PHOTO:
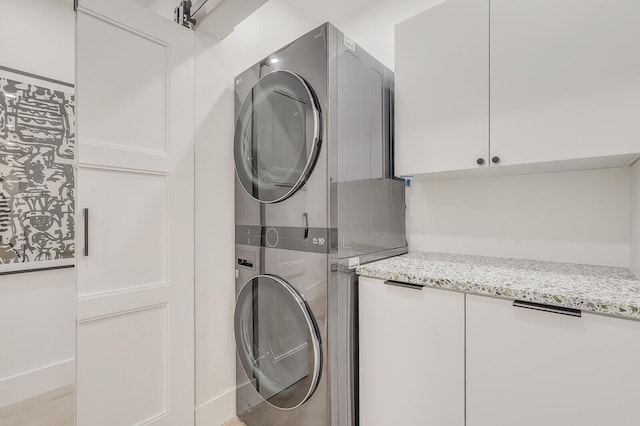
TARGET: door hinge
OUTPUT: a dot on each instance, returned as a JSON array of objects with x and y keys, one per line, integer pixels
[{"x": 182, "y": 14}]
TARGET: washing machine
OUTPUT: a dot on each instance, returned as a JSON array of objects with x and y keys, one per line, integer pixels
[{"x": 315, "y": 196}]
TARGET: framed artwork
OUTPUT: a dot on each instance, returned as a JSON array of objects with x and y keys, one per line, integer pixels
[{"x": 37, "y": 183}]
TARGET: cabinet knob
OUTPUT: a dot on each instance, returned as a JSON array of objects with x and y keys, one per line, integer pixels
[
  {"x": 495, "y": 160},
  {"x": 480, "y": 161}
]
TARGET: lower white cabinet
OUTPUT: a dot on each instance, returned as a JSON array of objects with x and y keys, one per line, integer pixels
[
  {"x": 411, "y": 355},
  {"x": 521, "y": 366},
  {"x": 532, "y": 368}
]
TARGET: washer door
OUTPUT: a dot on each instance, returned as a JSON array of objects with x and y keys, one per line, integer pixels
[
  {"x": 277, "y": 341},
  {"x": 277, "y": 137}
]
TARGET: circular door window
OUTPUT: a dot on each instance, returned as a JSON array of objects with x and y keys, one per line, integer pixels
[
  {"x": 277, "y": 341},
  {"x": 277, "y": 137}
]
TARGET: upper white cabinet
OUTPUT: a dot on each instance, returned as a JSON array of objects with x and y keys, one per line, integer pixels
[
  {"x": 565, "y": 79},
  {"x": 442, "y": 88},
  {"x": 411, "y": 355},
  {"x": 532, "y": 368},
  {"x": 518, "y": 82}
]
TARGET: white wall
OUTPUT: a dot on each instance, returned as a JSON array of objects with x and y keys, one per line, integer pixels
[
  {"x": 370, "y": 23},
  {"x": 214, "y": 280},
  {"x": 37, "y": 309},
  {"x": 635, "y": 218},
  {"x": 577, "y": 217},
  {"x": 37, "y": 331},
  {"x": 373, "y": 27},
  {"x": 38, "y": 36}
]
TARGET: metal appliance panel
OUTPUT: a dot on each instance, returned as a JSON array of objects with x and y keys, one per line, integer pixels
[
  {"x": 277, "y": 137},
  {"x": 307, "y": 58},
  {"x": 277, "y": 341},
  {"x": 307, "y": 272},
  {"x": 370, "y": 201},
  {"x": 351, "y": 199}
]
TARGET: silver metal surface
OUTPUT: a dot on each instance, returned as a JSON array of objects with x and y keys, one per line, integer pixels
[
  {"x": 315, "y": 143},
  {"x": 316, "y": 361},
  {"x": 307, "y": 58},
  {"x": 306, "y": 273},
  {"x": 316, "y": 240},
  {"x": 343, "y": 344},
  {"x": 371, "y": 257},
  {"x": 351, "y": 194},
  {"x": 182, "y": 14}
]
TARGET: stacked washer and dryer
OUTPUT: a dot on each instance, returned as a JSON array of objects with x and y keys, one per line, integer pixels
[{"x": 315, "y": 196}]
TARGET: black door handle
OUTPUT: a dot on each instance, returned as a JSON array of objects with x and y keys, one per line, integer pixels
[
  {"x": 403, "y": 284},
  {"x": 85, "y": 213},
  {"x": 547, "y": 308},
  {"x": 305, "y": 216}
]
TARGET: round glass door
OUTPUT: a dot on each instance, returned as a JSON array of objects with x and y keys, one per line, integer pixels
[
  {"x": 277, "y": 341},
  {"x": 277, "y": 137}
]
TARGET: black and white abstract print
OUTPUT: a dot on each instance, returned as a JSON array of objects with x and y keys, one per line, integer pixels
[{"x": 37, "y": 148}]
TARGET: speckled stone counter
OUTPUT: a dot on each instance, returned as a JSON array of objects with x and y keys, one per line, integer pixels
[{"x": 600, "y": 289}]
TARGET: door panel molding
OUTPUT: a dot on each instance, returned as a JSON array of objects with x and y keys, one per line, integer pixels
[
  {"x": 101, "y": 305},
  {"x": 135, "y": 306},
  {"x": 123, "y": 157}
]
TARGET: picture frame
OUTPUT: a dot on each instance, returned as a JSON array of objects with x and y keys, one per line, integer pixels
[{"x": 37, "y": 173}]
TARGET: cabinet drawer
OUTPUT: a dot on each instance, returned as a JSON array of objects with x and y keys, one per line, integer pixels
[
  {"x": 530, "y": 367},
  {"x": 411, "y": 355}
]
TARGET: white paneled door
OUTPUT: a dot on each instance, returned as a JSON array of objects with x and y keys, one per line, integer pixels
[{"x": 135, "y": 176}]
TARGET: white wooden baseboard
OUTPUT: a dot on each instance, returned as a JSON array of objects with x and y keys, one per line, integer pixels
[
  {"x": 217, "y": 410},
  {"x": 34, "y": 382}
]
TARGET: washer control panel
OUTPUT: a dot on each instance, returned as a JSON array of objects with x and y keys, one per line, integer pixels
[{"x": 283, "y": 237}]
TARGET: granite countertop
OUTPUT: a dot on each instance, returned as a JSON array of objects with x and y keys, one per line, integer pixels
[{"x": 600, "y": 289}]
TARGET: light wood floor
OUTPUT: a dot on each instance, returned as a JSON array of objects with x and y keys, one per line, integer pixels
[
  {"x": 235, "y": 422},
  {"x": 54, "y": 408}
]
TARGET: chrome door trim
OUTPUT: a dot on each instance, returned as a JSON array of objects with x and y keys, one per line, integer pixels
[
  {"x": 317, "y": 139},
  {"x": 313, "y": 332}
]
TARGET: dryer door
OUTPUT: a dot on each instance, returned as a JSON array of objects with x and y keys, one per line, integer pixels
[
  {"x": 277, "y": 136},
  {"x": 277, "y": 341}
]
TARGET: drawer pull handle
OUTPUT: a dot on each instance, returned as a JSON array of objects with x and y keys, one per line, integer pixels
[
  {"x": 547, "y": 308},
  {"x": 403, "y": 284}
]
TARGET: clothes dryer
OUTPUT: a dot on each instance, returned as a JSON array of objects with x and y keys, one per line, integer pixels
[{"x": 315, "y": 196}]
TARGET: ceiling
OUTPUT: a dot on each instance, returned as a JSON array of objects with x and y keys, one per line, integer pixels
[
  {"x": 333, "y": 10},
  {"x": 161, "y": 7}
]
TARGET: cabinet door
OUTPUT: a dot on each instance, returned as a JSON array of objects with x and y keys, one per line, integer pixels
[
  {"x": 532, "y": 368},
  {"x": 565, "y": 79},
  {"x": 442, "y": 88},
  {"x": 411, "y": 356}
]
